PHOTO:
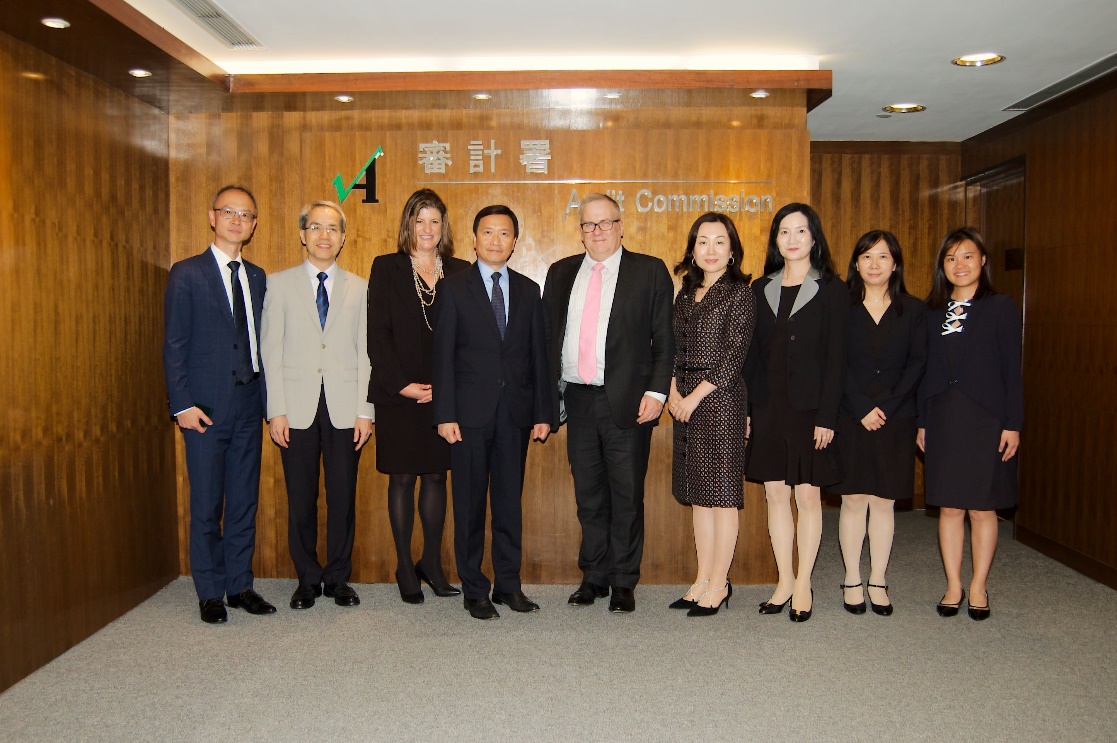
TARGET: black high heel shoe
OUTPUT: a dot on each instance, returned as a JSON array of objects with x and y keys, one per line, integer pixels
[
  {"x": 852, "y": 608},
  {"x": 884, "y": 610},
  {"x": 409, "y": 598},
  {"x": 441, "y": 591},
  {"x": 978, "y": 613},
  {"x": 950, "y": 610},
  {"x": 709, "y": 611},
  {"x": 684, "y": 602},
  {"x": 801, "y": 616},
  {"x": 767, "y": 607}
]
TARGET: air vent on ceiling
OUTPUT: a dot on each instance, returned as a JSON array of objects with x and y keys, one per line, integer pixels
[
  {"x": 218, "y": 23},
  {"x": 1077, "y": 80}
]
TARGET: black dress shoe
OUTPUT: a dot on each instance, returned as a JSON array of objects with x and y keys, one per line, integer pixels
[
  {"x": 949, "y": 610},
  {"x": 481, "y": 609},
  {"x": 709, "y": 611},
  {"x": 767, "y": 607},
  {"x": 442, "y": 590},
  {"x": 304, "y": 595},
  {"x": 978, "y": 613},
  {"x": 516, "y": 601},
  {"x": 410, "y": 597},
  {"x": 251, "y": 602},
  {"x": 342, "y": 593},
  {"x": 213, "y": 611},
  {"x": 623, "y": 601},
  {"x": 801, "y": 616},
  {"x": 852, "y": 608},
  {"x": 587, "y": 593},
  {"x": 884, "y": 610}
]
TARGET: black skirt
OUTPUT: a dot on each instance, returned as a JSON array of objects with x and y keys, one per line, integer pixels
[
  {"x": 407, "y": 442},
  {"x": 880, "y": 463}
]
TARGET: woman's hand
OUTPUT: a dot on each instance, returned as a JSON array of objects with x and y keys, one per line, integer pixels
[
  {"x": 822, "y": 437},
  {"x": 874, "y": 420},
  {"x": 684, "y": 408},
  {"x": 1010, "y": 442},
  {"x": 416, "y": 391},
  {"x": 921, "y": 439}
]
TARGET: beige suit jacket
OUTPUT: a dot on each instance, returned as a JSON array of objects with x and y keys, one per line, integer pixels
[{"x": 300, "y": 356}]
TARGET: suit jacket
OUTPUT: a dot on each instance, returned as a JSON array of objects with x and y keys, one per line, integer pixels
[
  {"x": 199, "y": 339},
  {"x": 472, "y": 365},
  {"x": 399, "y": 343},
  {"x": 896, "y": 371},
  {"x": 988, "y": 369},
  {"x": 816, "y": 344},
  {"x": 639, "y": 343},
  {"x": 301, "y": 357}
]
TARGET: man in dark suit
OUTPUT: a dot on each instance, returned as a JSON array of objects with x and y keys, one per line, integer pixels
[
  {"x": 611, "y": 354},
  {"x": 211, "y": 319},
  {"x": 490, "y": 387},
  {"x": 315, "y": 350}
]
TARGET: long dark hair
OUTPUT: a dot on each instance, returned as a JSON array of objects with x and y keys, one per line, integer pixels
[
  {"x": 424, "y": 198},
  {"x": 691, "y": 273},
  {"x": 821, "y": 259},
  {"x": 941, "y": 287},
  {"x": 896, "y": 286}
]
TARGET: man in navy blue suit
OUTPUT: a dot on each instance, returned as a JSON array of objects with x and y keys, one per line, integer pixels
[
  {"x": 211, "y": 321},
  {"x": 491, "y": 394}
]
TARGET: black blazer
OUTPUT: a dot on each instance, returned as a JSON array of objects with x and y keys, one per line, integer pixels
[
  {"x": 815, "y": 351},
  {"x": 399, "y": 343},
  {"x": 988, "y": 362},
  {"x": 639, "y": 345},
  {"x": 472, "y": 365},
  {"x": 898, "y": 369}
]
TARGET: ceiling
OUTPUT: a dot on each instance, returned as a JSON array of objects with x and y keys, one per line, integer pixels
[{"x": 880, "y": 51}]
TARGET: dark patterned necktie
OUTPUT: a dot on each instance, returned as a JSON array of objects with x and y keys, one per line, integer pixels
[
  {"x": 243, "y": 347},
  {"x": 498, "y": 305},
  {"x": 323, "y": 299}
]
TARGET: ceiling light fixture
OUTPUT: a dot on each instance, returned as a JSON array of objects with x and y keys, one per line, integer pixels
[
  {"x": 981, "y": 59},
  {"x": 904, "y": 108},
  {"x": 613, "y": 96},
  {"x": 759, "y": 93},
  {"x": 137, "y": 72},
  {"x": 343, "y": 98},
  {"x": 55, "y": 22},
  {"x": 482, "y": 97}
]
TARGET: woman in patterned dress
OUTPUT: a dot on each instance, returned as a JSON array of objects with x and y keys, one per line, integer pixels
[
  {"x": 971, "y": 410},
  {"x": 713, "y": 322}
]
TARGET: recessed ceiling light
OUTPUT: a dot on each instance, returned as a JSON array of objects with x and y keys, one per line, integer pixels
[
  {"x": 137, "y": 72},
  {"x": 759, "y": 94},
  {"x": 343, "y": 98},
  {"x": 55, "y": 23},
  {"x": 612, "y": 96},
  {"x": 482, "y": 97},
  {"x": 980, "y": 59},
  {"x": 904, "y": 108}
]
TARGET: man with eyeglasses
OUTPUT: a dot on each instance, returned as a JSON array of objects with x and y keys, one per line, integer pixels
[
  {"x": 611, "y": 352},
  {"x": 315, "y": 350},
  {"x": 215, "y": 391}
]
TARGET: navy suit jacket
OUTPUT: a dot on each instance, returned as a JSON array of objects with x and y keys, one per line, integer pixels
[
  {"x": 198, "y": 353},
  {"x": 472, "y": 365}
]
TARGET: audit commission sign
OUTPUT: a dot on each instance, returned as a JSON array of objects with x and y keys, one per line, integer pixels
[{"x": 677, "y": 200}]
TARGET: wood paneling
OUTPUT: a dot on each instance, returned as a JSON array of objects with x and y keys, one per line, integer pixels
[
  {"x": 87, "y": 513},
  {"x": 1067, "y": 468},
  {"x": 908, "y": 188}
]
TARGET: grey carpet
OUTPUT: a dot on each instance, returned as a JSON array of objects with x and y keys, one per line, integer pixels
[{"x": 1042, "y": 668}]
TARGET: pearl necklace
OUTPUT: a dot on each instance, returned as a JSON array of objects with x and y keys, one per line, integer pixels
[{"x": 426, "y": 296}]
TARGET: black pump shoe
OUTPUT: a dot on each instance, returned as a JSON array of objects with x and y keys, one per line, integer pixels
[
  {"x": 852, "y": 608},
  {"x": 950, "y": 610},
  {"x": 801, "y": 616},
  {"x": 709, "y": 611},
  {"x": 442, "y": 591},
  {"x": 884, "y": 610},
  {"x": 767, "y": 607}
]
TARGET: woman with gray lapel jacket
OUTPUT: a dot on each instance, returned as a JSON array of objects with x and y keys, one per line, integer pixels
[{"x": 794, "y": 375}]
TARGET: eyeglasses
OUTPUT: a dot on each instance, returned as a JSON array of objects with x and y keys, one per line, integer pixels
[
  {"x": 227, "y": 213},
  {"x": 605, "y": 225},
  {"x": 315, "y": 227}
]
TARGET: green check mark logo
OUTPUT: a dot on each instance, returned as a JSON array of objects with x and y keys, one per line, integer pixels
[{"x": 339, "y": 183}]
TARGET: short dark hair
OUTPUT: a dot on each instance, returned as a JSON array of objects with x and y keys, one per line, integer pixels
[
  {"x": 489, "y": 211},
  {"x": 233, "y": 187},
  {"x": 895, "y": 281},
  {"x": 424, "y": 198},
  {"x": 691, "y": 273},
  {"x": 821, "y": 259},
  {"x": 941, "y": 287}
]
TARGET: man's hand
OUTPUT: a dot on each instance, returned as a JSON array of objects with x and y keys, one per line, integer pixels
[
  {"x": 279, "y": 430},
  {"x": 362, "y": 430},
  {"x": 194, "y": 419},
  {"x": 540, "y": 431},
  {"x": 650, "y": 409},
  {"x": 450, "y": 432}
]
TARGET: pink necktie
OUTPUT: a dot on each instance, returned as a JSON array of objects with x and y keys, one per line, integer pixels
[{"x": 587, "y": 334}]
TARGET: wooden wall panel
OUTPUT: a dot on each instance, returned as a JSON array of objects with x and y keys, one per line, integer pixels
[
  {"x": 910, "y": 189},
  {"x": 289, "y": 158},
  {"x": 87, "y": 515},
  {"x": 1067, "y": 468}
]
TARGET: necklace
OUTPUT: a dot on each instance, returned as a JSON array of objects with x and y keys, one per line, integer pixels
[{"x": 426, "y": 295}]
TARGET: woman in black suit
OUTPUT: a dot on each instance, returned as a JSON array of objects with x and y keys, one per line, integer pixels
[
  {"x": 971, "y": 410},
  {"x": 886, "y": 353},
  {"x": 794, "y": 375},
  {"x": 401, "y": 289}
]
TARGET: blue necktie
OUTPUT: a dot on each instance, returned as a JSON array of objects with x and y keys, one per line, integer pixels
[
  {"x": 243, "y": 357},
  {"x": 323, "y": 299},
  {"x": 498, "y": 305}
]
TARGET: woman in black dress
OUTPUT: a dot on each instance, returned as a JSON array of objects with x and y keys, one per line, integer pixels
[
  {"x": 971, "y": 410},
  {"x": 713, "y": 320},
  {"x": 794, "y": 373},
  {"x": 401, "y": 290},
  {"x": 886, "y": 353}
]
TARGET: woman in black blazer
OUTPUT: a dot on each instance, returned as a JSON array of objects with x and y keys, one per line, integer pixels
[
  {"x": 794, "y": 374},
  {"x": 971, "y": 410},
  {"x": 886, "y": 353},
  {"x": 401, "y": 289}
]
